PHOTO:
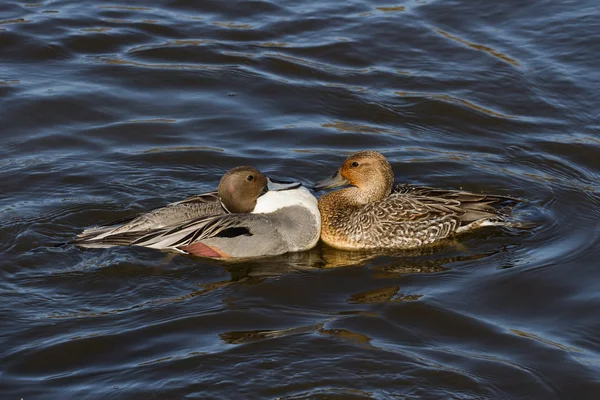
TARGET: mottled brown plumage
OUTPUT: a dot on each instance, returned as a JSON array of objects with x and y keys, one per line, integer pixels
[{"x": 373, "y": 214}]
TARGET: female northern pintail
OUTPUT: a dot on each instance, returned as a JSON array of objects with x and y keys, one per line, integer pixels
[
  {"x": 373, "y": 214},
  {"x": 249, "y": 215}
]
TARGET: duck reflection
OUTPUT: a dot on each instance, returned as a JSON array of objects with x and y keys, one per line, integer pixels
[
  {"x": 386, "y": 264},
  {"x": 241, "y": 337}
]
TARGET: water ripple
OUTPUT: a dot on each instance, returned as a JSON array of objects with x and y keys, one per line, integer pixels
[{"x": 112, "y": 109}]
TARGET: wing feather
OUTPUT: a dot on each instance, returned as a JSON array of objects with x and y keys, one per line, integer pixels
[
  {"x": 227, "y": 225},
  {"x": 147, "y": 223}
]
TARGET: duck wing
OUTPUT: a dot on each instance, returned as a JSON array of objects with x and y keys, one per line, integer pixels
[
  {"x": 422, "y": 216},
  {"x": 468, "y": 206},
  {"x": 460, "y": 195},
  {"x": 401, "y": 207},
  {"x": 184, "y": 210},
  {"x": 228, "y": 235},
  {"x": 401, "y": 221}
]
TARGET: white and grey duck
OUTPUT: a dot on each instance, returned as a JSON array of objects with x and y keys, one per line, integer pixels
[
  {"x": 374, "y": 214},
  {"x": 249, "y": 215}
]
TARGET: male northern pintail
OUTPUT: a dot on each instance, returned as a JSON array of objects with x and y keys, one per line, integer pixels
[
  {"x": 249, "y": 215},
  {"x": 373, "y": 214}
]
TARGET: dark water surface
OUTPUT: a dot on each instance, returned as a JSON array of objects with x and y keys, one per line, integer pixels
[{"x": 108, "y": 109}]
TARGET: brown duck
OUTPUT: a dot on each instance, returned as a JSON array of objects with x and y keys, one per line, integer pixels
[{"x": 373, "y": 214}]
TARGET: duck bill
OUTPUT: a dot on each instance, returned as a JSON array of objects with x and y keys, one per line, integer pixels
[
  {"x": 334, "y": 181},
  {"x": 277, "y": 186}
]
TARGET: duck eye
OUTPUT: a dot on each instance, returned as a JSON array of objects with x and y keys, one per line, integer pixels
[
  {"x": 250, "y": 178},
  {"x": 355, "y": 164}
]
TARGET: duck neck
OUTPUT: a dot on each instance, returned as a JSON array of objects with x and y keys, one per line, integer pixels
[
  {"x": 369, "y": 193},
  {"x": 355, "y": 197}
]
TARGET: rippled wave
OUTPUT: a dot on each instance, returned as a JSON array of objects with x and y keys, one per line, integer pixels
[{"x": 111, "y": 109}]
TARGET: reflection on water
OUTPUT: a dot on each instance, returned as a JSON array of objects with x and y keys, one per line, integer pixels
[
  {"x": 383, "y": 295},
  {"x": 480, "y": 47},
  {"x": 112, "y": 109},
  {"x": 251, "y": 336}
]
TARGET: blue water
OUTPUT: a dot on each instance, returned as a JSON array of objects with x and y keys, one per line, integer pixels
[{"x": 108, "y": 109}]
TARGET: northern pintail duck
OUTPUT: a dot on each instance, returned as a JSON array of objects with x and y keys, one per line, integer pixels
[
  {"x": 373, "y": 214},
  {"x": 249, "y": 215}
]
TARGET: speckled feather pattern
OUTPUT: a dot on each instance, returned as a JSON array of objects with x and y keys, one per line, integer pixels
[
  {"x": 399, "y": 221},
  {"x": 409, "y": 216}
]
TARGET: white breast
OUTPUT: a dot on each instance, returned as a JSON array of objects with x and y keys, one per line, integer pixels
[{"x": 275, "y": 200}]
